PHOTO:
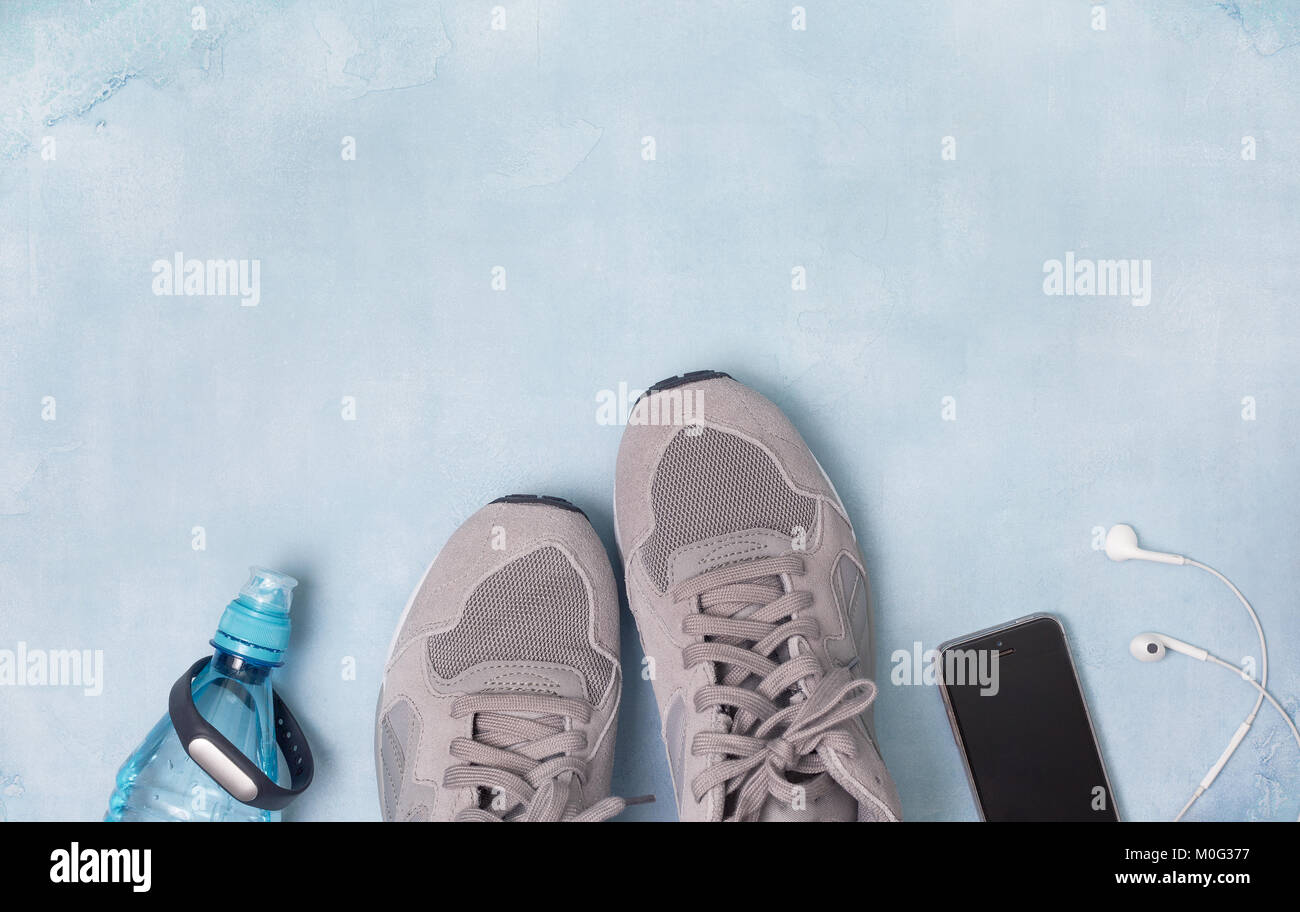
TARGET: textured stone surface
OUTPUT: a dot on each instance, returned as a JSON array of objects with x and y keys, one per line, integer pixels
[{"x": 523, "y": 148}]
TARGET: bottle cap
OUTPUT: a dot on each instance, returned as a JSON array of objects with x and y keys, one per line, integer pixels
[{"x": 255, "y": 625}]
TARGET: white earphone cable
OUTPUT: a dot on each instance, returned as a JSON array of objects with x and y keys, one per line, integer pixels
[
  {"x": 1263, "y": 694},
  {"x": 1261, "y": 684}
]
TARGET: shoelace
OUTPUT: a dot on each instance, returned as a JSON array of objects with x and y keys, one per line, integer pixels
[
  {"x": 528, "y": 762},
  {"x": 766, "y": 740}
]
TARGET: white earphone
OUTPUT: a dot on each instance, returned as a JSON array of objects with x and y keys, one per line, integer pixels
[
  {"x": 1150, "y": 647},
  {"x": 1122, "y": 545}
]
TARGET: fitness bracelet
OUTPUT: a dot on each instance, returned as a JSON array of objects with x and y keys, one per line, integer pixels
[{"x": 225, "y": 763}]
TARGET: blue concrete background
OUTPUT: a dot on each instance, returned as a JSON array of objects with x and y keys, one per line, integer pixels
[{"x": 774, "y": 148}]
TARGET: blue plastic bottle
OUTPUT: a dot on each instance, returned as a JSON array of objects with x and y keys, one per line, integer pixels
[{"x": 159, "y": 781}]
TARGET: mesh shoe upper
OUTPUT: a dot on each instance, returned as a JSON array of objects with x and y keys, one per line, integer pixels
[
  {"x": 709, "y": 483},
  {"x": 535, "y": 608}
]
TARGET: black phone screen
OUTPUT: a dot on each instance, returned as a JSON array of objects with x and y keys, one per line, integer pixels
[{"x": 1021, "y": 718}]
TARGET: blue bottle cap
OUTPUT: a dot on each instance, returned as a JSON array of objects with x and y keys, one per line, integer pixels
[{"x": 255, "y": 625}]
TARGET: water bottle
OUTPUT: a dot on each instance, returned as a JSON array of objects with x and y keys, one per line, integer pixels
[{"x": 160, "y": 780}]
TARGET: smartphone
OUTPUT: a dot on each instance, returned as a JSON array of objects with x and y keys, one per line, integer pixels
[{"x": 1022, "y": 726}]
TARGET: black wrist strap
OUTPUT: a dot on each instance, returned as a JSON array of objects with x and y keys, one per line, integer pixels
[{"x": 225, "y": 763}]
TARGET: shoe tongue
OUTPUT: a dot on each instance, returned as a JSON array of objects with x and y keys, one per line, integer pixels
[
  {"x": 836, "y": 805},
  {"x": 725, "y": 550}
]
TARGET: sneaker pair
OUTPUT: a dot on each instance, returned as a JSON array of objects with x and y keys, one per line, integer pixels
[{"x": 501, "y": 690}]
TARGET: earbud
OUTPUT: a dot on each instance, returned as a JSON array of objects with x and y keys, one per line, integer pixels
[
  {"x": 1122, "y": 545},
  {"x": 1150, "y": 647},
  {"x": 1146, "y": 647}
]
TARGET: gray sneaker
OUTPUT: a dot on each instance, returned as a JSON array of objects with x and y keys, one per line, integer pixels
[
  {"x": 751, "y": 598},
  {"x": 501, "y": 689}
]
